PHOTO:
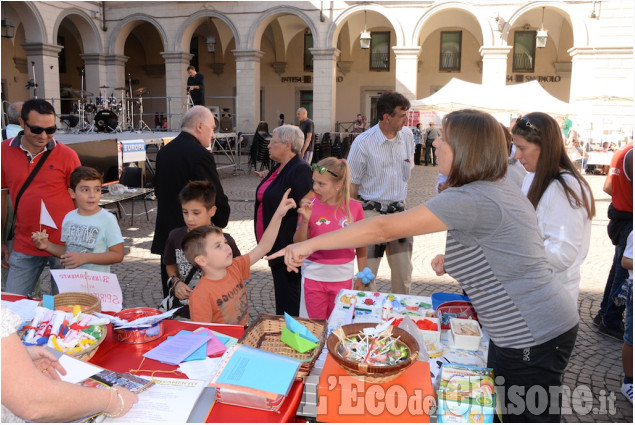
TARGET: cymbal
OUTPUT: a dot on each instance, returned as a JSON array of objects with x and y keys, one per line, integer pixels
[
  {"x": 120, "y": 88},
  {"x": 104, "y": 87},
  {"x": 89, "y": 93},
  {"x": 141, "y": 91}
]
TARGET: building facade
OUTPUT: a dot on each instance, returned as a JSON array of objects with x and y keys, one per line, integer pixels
[{"x": 263, "y": 59}]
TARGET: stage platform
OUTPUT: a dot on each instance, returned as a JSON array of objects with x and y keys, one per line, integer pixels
[{"x": 102, "y": 150}]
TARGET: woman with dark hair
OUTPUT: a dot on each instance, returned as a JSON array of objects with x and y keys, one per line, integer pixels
[
  {"x": 561, "y": 196},
  {"x": 495, "y": 251}
]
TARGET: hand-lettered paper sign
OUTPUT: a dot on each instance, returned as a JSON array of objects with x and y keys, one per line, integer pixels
[{"x": 104, "y": 286}]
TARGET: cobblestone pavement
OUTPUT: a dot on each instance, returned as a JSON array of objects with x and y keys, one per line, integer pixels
[{"x": 595, "y": 367}]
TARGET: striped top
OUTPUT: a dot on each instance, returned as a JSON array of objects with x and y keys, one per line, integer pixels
[
  {"x": 495, "y": 251},
  {"x": 382, "y": 167}
]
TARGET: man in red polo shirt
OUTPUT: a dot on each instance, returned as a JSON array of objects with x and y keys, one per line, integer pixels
[
  {"x": 618, "y": 184},
  {"x": 20, "y": 155}
]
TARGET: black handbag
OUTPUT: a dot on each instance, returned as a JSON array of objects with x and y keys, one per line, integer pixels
[{"x": 171, "y": 301}]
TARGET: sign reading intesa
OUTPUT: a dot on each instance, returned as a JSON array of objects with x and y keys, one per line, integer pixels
[{"x": 103, "y": 285}]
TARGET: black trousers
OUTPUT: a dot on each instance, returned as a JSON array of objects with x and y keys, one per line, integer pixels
[
  {"x": 287, "y": 290},
  {"x": 532, "y": 378},
  {"x": 418, "y": 153},
  {"x": 430, "y": 150}
]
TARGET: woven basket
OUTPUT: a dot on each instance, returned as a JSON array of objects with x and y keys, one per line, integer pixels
[
  {"x": 78, "y": 298},
  {"x": 264, "y": 333},
  {"x": 88, "y": 353},
  {"x": 373, "y": 373}
]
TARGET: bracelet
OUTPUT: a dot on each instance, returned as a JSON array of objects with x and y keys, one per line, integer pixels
[{"x": 123, "y": 406}]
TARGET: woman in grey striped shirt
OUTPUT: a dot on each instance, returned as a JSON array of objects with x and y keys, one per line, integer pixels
[{"x": 495, "y": 251}]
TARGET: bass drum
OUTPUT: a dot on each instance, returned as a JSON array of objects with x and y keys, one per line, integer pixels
[{"x": 106, "y": 121}]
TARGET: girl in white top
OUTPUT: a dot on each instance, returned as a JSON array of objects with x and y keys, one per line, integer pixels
[{"x": 562, "y": 197}]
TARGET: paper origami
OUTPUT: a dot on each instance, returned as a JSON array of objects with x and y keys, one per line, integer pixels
[{"x": 297, "y": 336}]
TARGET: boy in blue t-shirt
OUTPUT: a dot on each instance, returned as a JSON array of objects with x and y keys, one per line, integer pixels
[{"x": 91, "y": 235}]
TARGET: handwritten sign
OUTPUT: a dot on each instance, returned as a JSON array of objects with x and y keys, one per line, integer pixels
[{"x": 104, "y": 286}]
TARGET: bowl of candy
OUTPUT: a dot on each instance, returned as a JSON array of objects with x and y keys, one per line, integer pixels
[{"x": 379, "y": 353}]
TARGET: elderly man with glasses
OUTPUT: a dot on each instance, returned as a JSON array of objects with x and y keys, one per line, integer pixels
[{"x": 35, "y": 173}]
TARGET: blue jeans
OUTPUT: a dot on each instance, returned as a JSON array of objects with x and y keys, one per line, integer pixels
[
  {"x": 24, "y": 271},
  {"x": 612, "y": 314}
]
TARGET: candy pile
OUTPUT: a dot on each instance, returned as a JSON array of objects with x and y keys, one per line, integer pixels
[
  {"x": 63, "y": 331},
  {"x": 379, "y": 350}
]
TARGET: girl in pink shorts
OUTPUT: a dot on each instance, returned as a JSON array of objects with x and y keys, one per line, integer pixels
[{"x": 324, "y": 273}]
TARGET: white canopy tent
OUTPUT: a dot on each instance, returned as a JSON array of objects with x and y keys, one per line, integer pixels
[{"x": 512, "y": 99}]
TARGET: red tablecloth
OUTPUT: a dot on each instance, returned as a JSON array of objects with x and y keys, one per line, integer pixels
[{"x": 121, "y": 357}]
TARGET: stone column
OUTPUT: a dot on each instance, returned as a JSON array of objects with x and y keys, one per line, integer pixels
[
  {"x": 116, "y": 72},
  {"x": 247, "y": 89},
  {"x": 406, "y": 66},
  {"x": 324, "y": 73},
  {"x": 176, "y": 64},
  {"x": 95, "y": 74},
  {"x": 44, "y": 59},
  {"x": 494, "y": 65}
]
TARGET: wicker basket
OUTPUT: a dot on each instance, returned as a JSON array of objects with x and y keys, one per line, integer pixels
[
  {"x": 88, "y": 353},
  {"x": 265, "y": 332},
  {"x": 372, "y": 373},
  {"x": 78, "y": 298}
]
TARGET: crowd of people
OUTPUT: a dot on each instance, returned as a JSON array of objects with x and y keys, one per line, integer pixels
[{"x": 316, "y": 222}]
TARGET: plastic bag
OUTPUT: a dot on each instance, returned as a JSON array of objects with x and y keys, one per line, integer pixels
[{"x": 408, "y": 325}]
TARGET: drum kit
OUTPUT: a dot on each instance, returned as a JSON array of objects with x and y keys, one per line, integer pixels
[{"x": 108, "y": 114}]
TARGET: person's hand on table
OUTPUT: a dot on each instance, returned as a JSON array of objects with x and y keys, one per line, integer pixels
[
  {"x": 45, "y": 361},
  {"x": 293, "y": 254},
  {"x": 181, "y": 290},
  {"x": 115, "y": 407},
  {"x": 438, "y": 264},
  {"x": 72, "y": 260},
  {"x": 5, "y": 256}
]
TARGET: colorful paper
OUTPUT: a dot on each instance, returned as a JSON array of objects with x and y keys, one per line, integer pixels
[
  {"x": 175, "y": 350},
  {"x": 214, "y": 345},
  {"x": 297, "y": 342},
  {"x": 298, "y": 328}
]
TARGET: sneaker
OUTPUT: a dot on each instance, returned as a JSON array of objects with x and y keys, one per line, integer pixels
[
  {"x": 627, "y": 390},
  {"x": 597, "y": 320},
  {"x": 617, "y": 334}
]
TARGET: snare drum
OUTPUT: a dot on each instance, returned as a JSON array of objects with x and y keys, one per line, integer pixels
[{"x": 106, "y": 120}]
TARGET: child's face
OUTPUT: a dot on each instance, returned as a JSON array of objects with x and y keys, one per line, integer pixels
[
  {"x": 195, "y": 214},
  {"x": 87, "y": 194},
  {"x": 218, "y": 253},
  {"x": 325, "y": 188}
]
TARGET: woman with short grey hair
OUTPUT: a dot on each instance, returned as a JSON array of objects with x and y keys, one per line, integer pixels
[{"x": 290, "y": 172}]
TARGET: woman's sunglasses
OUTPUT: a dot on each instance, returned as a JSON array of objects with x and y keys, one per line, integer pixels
[
  {"x": 524, "y": 121},
  {"x": 39, "y": 130},
  {"x": 322, "y": 170}
]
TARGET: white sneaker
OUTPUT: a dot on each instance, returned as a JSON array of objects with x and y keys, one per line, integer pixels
[{"x": 627, "y": 390}]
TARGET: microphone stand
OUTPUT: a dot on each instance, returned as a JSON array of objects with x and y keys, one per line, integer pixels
[{"x": 34, "y": 80}]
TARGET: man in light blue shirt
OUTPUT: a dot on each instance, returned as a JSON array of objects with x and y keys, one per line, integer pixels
[{"x": 381, "y": 160}]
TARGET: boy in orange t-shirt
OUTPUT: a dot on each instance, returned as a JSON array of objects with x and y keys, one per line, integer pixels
[{"x": 220, "y": 296}]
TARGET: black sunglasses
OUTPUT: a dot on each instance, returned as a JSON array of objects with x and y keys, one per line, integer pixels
[
  {"x": 524, "y": 121},
  {"x": 322, "y": 170},
  {"x": 39, "y": 130}
]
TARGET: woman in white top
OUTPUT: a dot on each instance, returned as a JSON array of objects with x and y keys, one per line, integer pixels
[{"x": 562, "y": 197}]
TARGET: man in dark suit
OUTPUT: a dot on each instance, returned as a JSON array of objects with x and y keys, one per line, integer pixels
[
  {"x": 184, "y": 159},
  {"x": 195, "y": 86}
]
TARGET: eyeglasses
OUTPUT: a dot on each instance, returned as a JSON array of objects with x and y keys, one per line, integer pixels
[
  {"x": 38, "y": 130},
  {"x": 524, "y": 121},
  {"x": 322, "y": 170}
]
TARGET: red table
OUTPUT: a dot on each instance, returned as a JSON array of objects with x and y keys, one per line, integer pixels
[{"x": 121, "y": 357}]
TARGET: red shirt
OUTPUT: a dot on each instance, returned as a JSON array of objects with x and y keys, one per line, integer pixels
[
  {"x": 622, "y": 186},
  {"x": 49, "y": 185}
]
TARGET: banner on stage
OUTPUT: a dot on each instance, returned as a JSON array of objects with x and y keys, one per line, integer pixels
[{"x": 104, "y": 286}]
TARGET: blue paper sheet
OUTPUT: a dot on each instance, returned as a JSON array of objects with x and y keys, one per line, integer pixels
[
  {"x": 298, "y": 328},
  {"x": 175, "y": 350},
  {"x": 199, "y": 354}
]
